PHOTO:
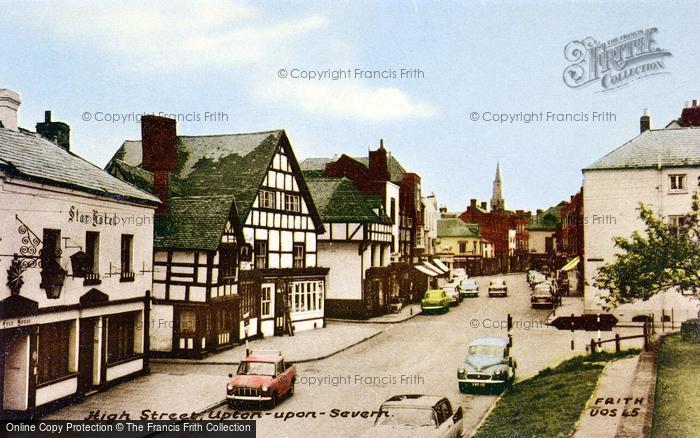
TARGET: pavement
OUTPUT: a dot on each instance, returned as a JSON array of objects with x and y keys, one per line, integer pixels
[
  {"x": 406, "y": 313},
  {"x": 623, "y": 402}
]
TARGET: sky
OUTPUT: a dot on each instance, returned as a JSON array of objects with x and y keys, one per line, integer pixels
[{"x": 234, "y": 66}]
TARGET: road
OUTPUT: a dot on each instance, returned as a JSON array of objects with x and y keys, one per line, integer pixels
[{"x": 418, "y": 356}]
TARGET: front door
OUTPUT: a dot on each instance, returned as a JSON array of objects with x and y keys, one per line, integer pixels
[
  {"x": 86, "y": 354},
  {"x": 280, "y": 314}
]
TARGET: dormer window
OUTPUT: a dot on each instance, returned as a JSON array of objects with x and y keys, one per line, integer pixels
[{"x": 677, "y": 183}]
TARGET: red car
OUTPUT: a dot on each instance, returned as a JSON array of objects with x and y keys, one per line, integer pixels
[{"x": 262, "y": 377}]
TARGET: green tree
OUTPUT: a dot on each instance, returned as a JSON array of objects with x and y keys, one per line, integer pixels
[{"x": 653, "y": 261}]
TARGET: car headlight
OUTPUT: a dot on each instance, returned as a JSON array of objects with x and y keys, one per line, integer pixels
[
  {"x": 264, "y": 389},
  {"x": 229, "y": 387},
  {"x": 461, "y": 372}
]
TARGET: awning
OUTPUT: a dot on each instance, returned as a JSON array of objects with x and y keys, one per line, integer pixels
[
  {"x": 430, "y": 266},
  {"x": 571, "y": 265},
  {"x": 425, "y": 270},
  {"x": 440, "y": 264}
]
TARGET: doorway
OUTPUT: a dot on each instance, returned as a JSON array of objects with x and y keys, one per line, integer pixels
[{"x": 86, "y": 355}]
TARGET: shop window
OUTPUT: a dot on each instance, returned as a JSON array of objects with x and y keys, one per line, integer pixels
[
  {"x": 120, "y": 337},
  {"x": 54, "y": 350}
]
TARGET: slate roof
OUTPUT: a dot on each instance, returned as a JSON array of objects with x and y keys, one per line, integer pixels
[
  {"x": 454, "y": 227},
  {"x": 195, "y": 222},
  {"x": 339, "y": 201},
  {"x": 29, "y": 156},
  {"x": 673, "y": 147},
  {"x": 396, "y": 170},
  {"x": 224, "y": 167}
]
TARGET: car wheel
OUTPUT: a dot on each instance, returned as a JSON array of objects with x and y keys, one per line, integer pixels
[
  {"x": 291, "y": 390},
  {"x": 273, "y": 401}
]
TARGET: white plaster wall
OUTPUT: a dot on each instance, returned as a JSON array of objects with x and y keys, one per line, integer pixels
[
  {"x": 58, "y": 390},
  {"x": 161, "y": 327},
  {"x": 611, "y": 200},
  {"x": 124, "y": 369},
  {"x": 345, "y": 275},
  {"x": 42, "y": 207}
]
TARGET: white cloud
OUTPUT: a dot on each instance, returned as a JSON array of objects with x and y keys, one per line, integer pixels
[
  {"x": 346, "y": 100},
  {"x": 173, "y": 35}
]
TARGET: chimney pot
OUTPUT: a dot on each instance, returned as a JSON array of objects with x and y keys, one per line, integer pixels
[
  {"x": 57, "y": 132},
  {"x": 9, "y": 106},
  {"x": 645, "y": 121}
]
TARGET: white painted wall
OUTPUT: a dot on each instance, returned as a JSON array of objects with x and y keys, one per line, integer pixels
[
  {"x": 161, "y": 327},
  {"x": 16, "y": 376},
  {"x": 537, "y": 241},
  {"x": 611, "y": 200},
  {"x": 42, "y": 207},
  {"x": 345, "y": 275}
]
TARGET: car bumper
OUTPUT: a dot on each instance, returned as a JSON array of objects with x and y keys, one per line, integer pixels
[
  {"x": 480, "y": 382},
  {"x": 470, "y": 293},
  {"x": 248, "y": 398},
  {"x": 494, "y": 293},
  {"x": 428, "y": 309}
]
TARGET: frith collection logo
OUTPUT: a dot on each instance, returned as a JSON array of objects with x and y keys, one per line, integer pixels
[{"x": 614, "y": 63}]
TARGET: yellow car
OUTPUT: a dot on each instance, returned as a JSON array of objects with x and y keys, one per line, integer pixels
[{"x": 435, "y": 301}]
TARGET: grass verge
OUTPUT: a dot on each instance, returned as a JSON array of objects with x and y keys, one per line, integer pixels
[
  {"x": 677, "y": 400},
  {"x": 550, "y": 403}
]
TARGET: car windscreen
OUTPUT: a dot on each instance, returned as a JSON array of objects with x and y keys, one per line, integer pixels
[
  {"x": 485, "y": 350},
  {"x": 434, "y": 294},
  {"x": 406, "y": 416},
  {"x": 257, "y": 368}
]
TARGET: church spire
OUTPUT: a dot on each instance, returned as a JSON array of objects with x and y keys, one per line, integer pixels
[{"x": 497, "y": 201}]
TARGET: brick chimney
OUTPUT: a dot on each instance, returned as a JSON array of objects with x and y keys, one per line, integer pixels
[
  {"x": 645, "y": 122},
  {"x": 379, "y": 163},
  {"x": 472, "y": 203},
  {"x": 57, "y": 132},
  {"x": 691, "y": 115},
  {"x": 484, "y": 205},
  {"x": 9, "y": 105},
  {"x": 159, "y": 148}
]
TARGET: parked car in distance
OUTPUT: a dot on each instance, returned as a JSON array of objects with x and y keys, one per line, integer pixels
[
  {"x": 415, "y": 415},
  {"x": 498, "y": 288},
  {"x": 487, "y": 364},
  {"x": 542, "y": 295},
  {"x": 459, "y": 273},
  {"x": 453, "y": 293},
  {"x": 263, "y": 377},
  {"x": 435, "y": 301},
  {"x": 468, "y": 288},
  {"x": 537, "y": 278}
]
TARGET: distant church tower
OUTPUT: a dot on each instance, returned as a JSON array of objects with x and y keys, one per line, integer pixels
[{"x": 497, "y": 201}]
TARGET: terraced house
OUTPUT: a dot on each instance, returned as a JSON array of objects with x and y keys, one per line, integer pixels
[
  {"x": 75, "y": 260},
  {"x": 235, "y": 238},
  {"x": 356, "y": 245}
]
